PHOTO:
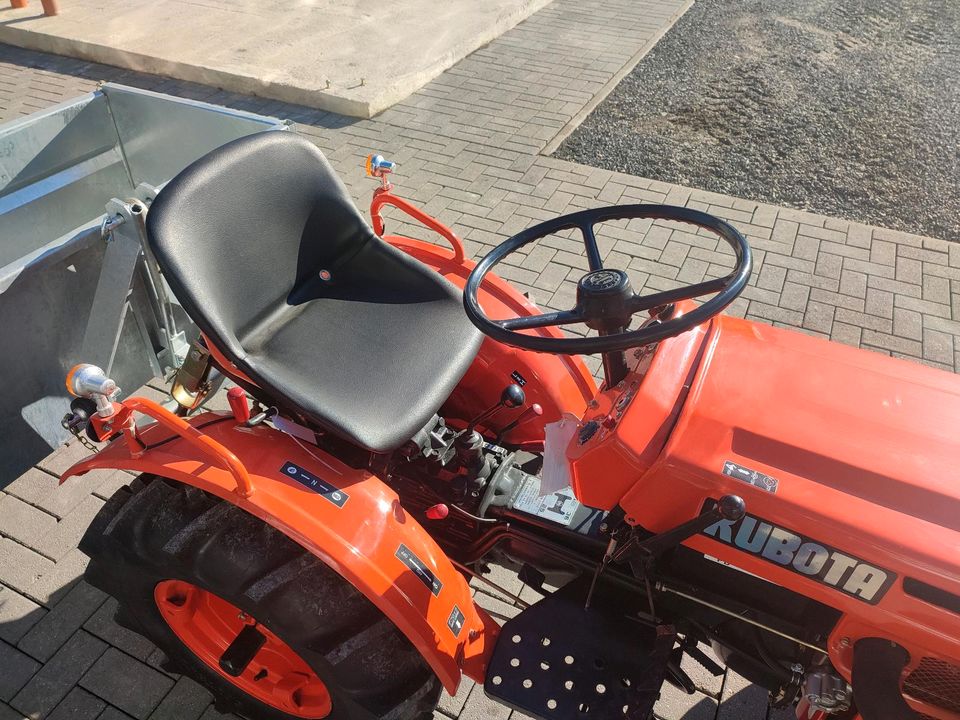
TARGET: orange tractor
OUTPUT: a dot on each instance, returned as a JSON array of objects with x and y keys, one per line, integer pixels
[{"x": 403, "y": 419}]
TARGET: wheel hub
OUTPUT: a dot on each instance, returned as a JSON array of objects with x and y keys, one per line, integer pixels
[{"x": 219, "y": 633}]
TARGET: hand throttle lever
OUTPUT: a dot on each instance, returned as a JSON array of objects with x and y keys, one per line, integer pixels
[
  {"x": 533, "y": 411},
  {"x": 511, "y": 397},
  {"x": 730, "y": 507}
]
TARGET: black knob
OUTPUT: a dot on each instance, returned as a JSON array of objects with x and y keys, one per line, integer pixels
[
  {"x": 512, "y": 396},
  {"x": 732, "y": 507}
]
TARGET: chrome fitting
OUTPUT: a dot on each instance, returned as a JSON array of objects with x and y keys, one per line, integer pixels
[{"x": 89, "y": 381}]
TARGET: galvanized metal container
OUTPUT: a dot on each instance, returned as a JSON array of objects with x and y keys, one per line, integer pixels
[{"x": 75, "y": 182}]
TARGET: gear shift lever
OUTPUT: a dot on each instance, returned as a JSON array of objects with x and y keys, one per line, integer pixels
[{"x": 511, "y": 397}]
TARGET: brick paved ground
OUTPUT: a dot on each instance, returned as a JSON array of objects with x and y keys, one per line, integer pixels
[{"x": 469, "y": 149}]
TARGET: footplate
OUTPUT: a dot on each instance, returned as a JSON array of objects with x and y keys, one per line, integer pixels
[{"x": 557, "y": 661}]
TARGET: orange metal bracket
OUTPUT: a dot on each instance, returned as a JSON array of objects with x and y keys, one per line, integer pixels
[
  {"x": 123, "y": 418},
  {"x": 382, "y": 196}
]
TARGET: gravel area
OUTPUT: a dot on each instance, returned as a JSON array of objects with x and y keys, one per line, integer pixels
[{"x": 849, "y": 108}]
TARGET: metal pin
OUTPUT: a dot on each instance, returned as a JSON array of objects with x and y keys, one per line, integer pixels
[{"x": 611, "y": 547}]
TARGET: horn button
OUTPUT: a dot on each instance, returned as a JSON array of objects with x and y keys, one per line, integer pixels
[{"x": 604, "y": 297}]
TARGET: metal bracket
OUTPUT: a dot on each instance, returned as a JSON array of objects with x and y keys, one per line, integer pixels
[
  {"x": 124, "y": 231},
  {"x": 110, "y": 301}
]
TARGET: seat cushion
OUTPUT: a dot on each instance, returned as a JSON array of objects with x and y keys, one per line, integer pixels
[{"x": 262, "y": 245}]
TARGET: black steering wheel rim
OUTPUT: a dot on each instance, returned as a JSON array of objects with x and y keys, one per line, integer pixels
[{"x": 726, "y": 288}]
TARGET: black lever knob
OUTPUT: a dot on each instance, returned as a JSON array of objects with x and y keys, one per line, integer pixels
[
  {"x": 511, "y": 397},
  {"x": 730, "y": 507}
]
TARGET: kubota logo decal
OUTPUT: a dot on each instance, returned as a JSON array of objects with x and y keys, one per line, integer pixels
[{"x": 804, "y": 556}]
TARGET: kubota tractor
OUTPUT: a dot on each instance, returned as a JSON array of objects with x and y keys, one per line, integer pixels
[{"x": 403, "y": 419}]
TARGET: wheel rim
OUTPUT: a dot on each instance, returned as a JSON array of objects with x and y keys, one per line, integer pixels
[{"x": 207, "y": 624}]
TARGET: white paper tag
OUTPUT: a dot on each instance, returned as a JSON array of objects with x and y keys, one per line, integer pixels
[
  {"x": 558, "y": 507},
  {"x": 556, "y": 469}
]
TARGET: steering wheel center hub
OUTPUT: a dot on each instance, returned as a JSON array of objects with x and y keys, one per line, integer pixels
[
  {"x": 607, "y": 283},
  {"x": 604, "y": 298}
]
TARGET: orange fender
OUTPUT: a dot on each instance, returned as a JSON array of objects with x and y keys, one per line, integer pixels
[{"x": 348, "y": 518}]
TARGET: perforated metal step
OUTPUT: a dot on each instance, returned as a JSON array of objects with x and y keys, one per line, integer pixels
[{"x": 557, "y": 661}]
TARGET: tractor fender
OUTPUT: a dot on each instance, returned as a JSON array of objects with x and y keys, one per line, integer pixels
[{"x": 348, "y": 518}]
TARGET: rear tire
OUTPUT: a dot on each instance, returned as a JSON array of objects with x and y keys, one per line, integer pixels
[{"x": 158, "y": 530}]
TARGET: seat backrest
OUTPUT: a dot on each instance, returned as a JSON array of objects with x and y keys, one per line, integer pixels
[{"x": 238, "y": 230}]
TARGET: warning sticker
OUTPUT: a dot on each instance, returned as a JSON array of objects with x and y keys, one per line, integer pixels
[
  {"x": 753, "y": 477},
  {"x": 420, "y": 569},
  {"x": 455, "y": 621},
  {"x": 335, "y": 495},
  {"x": 558, "y": 506}
]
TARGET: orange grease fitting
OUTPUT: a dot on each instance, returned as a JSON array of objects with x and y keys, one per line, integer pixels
[{"x": 207, "y": 624}]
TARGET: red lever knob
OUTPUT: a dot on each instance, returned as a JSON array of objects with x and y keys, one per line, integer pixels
[
  {"x": 437, "y": 512},
  {"x": 238, "y": 404}
]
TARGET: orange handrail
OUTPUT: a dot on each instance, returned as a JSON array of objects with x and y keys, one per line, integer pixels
[
  {"x": 190, "y": 434},
  {"x": 382, "y": 196}
]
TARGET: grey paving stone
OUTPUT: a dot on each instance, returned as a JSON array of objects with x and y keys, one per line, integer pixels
[
  {"x": 78, "y": 705},
  {"x": 17, "y": 615},
  {"x": 56, "y": 581},
  {"x": 675, "y": 704},
  {"x": 127, "y": 683},
  {"x": 741, "y": 699},
  {"x": 211, "y": 713},
  {"x": 102, "y": 624},
  {"x": 8, "y": 713},
  {"x": 57, "y": 677},
  {"x": 42, "y": 490},
  {"x": 498, "y": 609},
  {"x": 452, "y": 705},
  {"x": 480, "y": 707},
  {"x": 25, "y": 523},
  {"x": 20, "y": 567},
  {"x": 186, "y": 701},
  {"x": 48, "y": 635},
  {"x": 17, "y": 670},
  {"x": 111, "y": 713}
]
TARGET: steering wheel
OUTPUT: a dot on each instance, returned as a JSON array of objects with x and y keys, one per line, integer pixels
[{"x": 605, "y": 300}]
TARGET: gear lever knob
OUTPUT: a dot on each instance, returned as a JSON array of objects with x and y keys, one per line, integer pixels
[{"x": 513, "y": 396}]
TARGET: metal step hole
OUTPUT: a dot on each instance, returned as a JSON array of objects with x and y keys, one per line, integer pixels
[
  {"x": 568, "y": 685},
  {"x": 601, "y": 688},
  {"x": 552, "y": 704},
  {"x": 528, "y": 683},
  {"x": 545, "y": 642},
  {"x": 497, "y": 680},
  {"x": 626, "y": 682},
  {"x": 516, "y": 639},
  {"x": 626, "y": 709},
  {"x": 544, "y": 665},
  {"x": 584, "y": 708},
  {"x": 568, "y": 659},
  {"x": 514, "y": 662}
]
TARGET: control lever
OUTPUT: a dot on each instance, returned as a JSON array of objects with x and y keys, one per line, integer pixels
[
  {"x": 511, "y": 397},
  {"x": 643, "y": 552},
  {"x": 730, "y": 507},
  {"x": 533, "y": 411}
]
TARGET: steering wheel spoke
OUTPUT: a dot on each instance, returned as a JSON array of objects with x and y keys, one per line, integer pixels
[
  {"x": 562, "y": 317},
  {"x": 639, "y": 303},
  {"x": 590, "y": 243}
]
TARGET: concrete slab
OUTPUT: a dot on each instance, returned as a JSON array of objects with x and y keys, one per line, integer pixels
[{"x": 348, "y": 56}]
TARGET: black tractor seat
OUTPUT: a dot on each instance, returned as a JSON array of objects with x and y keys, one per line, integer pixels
[{"x": 265, "y": 250}]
